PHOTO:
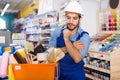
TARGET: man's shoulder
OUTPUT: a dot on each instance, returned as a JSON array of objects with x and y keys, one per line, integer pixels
[
  {"x": 84, "y": 32},
  {"x": 59, "y": 29},
  {"x": 81, "y": 31}
]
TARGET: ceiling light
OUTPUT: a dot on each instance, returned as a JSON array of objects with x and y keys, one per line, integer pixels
[{"x": 5, "y": 8}]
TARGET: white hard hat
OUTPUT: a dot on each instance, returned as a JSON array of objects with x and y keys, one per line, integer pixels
[{"x": 74, "y": 6}]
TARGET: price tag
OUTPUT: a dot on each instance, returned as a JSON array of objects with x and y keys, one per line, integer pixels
[{"x": 17, "y": 67}]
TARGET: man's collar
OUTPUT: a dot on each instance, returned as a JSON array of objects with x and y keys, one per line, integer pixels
[{"x": 79, "y": 30}]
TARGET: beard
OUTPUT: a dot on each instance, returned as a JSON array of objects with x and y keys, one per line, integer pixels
[{"x": 69, "y": 25}]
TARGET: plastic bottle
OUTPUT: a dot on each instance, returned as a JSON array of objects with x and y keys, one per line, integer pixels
[{"x": 4, "y": 64}]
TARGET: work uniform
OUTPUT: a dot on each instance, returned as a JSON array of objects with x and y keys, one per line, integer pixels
[{"x": 69, "y": 70}]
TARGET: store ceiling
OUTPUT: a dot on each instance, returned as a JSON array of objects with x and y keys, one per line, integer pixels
[{"x": 15, "y": 5}]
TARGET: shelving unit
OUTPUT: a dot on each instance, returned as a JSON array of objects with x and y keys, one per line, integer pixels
[
  {"x": 17, "y": 25},
  {"x": 113, "y": 57},
  {"x": 45, "y": 35},
  {"x": 108, "y": 20},
  {"x": 96, "y": 68},
  {"x": 38, "y": 28},
  {"x": 105, "y": 50},
  {"x": 18, "y": 39},
  {"x": 92, "y": 77}
]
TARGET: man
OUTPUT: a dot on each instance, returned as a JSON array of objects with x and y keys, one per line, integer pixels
[{"x": 74, "y": 42}]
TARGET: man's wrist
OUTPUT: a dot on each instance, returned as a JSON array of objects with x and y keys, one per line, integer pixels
[{"x": 66, "y": 39}]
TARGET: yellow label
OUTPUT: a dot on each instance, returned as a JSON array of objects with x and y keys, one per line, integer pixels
[{"x": 7, "y": 49}]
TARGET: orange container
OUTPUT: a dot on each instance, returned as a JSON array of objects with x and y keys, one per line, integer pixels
[{"x": 35, "y": 71}]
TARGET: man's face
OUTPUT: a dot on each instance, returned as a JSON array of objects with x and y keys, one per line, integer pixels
[{"x": 72, "y": 20}]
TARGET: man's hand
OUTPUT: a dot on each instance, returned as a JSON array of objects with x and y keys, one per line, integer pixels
[
  {"x": 79, "y": 45},
  {"x": 64, "y": 49},
  {"x": 66, "y": 34}
]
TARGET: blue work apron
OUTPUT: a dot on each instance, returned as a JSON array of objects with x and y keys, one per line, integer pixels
[{"x": 69, "y": 70}]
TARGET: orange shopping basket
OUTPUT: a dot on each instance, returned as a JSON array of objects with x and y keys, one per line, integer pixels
[{"x": 47, "y": 71}]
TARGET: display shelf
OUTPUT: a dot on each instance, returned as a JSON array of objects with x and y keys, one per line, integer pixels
[
  {"x": 104, "y": 55},
  {"x": 96, "y": 68},
  {"x": 113, "y": 57},
  {"x": 109, "y": 32},
  {"x": 17, "y": 25},
  {"x": 92, "y": 77},
  {"x": 106, "y": 49},
  {"x": 108, "y": 20},
  {"x": 38, "y": 28},
  {"x": 99, "y": 55},
  {"x": 18, "y": 38},
  {"x": 45, "y": 35}
]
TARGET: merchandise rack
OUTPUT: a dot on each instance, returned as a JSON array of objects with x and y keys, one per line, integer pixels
[
  {"x": 108, "y": 18},
  {"x": 113, "y": 57}
]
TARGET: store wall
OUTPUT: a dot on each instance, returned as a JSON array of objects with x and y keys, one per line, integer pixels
[
  {"x": 8, "y": 18},
  {"x": 89, "y": 21},
  {"x": 50, "y": 5},
  {"x": 104, "y": 4}
]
